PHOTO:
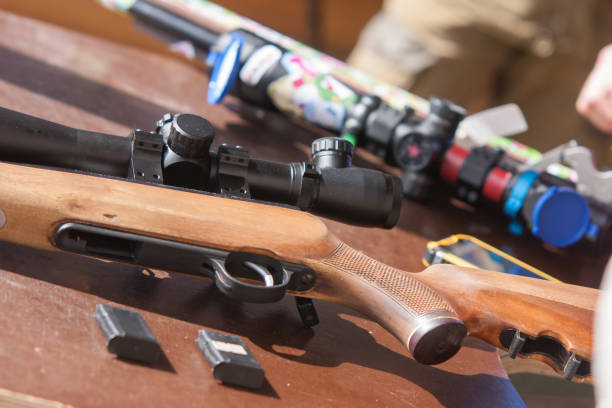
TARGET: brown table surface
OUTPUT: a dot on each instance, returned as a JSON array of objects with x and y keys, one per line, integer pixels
[{"x": 50, "y": 346}]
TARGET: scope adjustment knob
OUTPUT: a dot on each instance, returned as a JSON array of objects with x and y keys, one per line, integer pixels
[
  {"x": 445, "y": 109},
  {"x": 332, "y": 152},
  {"x": 190, "y": 136}
]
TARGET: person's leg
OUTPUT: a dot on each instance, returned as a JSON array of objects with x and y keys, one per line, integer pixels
[{"x": 431, "y": 49}]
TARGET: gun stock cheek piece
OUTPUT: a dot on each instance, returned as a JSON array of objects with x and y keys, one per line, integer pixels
[{"x": 437, "y": 338}]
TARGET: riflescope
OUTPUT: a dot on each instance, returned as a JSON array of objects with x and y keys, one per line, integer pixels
[{"x": 178, "y": 154}]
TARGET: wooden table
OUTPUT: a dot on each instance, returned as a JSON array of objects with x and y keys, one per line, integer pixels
[{"x": 50, "y": 346}]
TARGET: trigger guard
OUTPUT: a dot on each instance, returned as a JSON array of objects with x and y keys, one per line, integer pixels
[{"x": 246, "y": 292}]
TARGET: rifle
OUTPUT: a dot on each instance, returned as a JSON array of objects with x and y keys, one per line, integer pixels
[{"x": 258, "y": 251}]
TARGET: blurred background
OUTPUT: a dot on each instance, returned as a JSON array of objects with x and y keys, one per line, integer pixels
[{"x": 331, "y": 26}]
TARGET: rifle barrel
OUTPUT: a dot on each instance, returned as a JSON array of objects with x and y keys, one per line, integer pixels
[
  {"x": 28, "y": 139},
  {"x": 174, "y": 24}
]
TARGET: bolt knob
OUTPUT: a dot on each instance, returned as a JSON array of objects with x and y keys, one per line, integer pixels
[
  {"x": 190, "y": 136},
  {"x": 332, "y": 152}
]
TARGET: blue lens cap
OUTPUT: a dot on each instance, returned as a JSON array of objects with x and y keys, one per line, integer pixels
[
  {"x": 561, "y": 217},
  {"x": 224, "y": 71}
]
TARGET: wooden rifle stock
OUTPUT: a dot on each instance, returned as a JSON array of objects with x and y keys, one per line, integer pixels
[{"x": 426, "y": 311}]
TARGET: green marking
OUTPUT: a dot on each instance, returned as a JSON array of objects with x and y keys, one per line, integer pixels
[
  {"x": 534, "y": 155},
  {"x": 526, "y": 153},
  {"x": 350, "y": 137},
  {"x": 562, "y": 172},
  {"x": 501, "y": 142},
  {"x": 329, "y": 95}
]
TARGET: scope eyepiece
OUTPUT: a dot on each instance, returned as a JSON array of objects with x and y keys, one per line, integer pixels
[{"x": 359, "y": 196}]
